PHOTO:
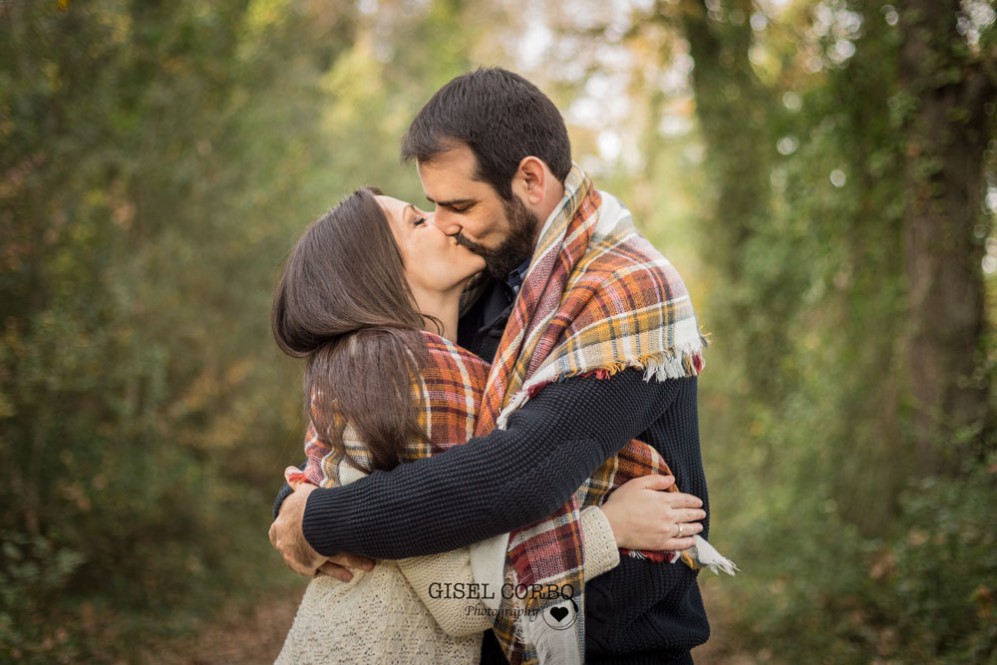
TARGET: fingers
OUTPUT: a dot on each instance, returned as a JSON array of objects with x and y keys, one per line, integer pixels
[
  {"x": 337, "y": 571},
  {"x": 679, "y": 544},
  {"x": 648, "y": 540},
  {"x": 660, "y": 482},
  {"x": 682, "y": 500},
  {"x": 683, "y": 515},
  {"x": 352, "y": 561},
  {"x": 299, "y": 568},
  {"x": 661, "y": 531},
  {"x": 688, "y": 529},
  {"x": 654, "y": 482},
  {"x": 681, "y": 535},
  {"x": 298, "y": 555},
  {"x": 338, "y": 566},
  {"x": 286, "y": 535},
  {"x": 651, "y": 519}
]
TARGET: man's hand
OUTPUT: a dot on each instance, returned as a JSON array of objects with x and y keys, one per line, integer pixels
[
  {"x": 338, "y": 566},
  {"x": 286, "y": 536}
]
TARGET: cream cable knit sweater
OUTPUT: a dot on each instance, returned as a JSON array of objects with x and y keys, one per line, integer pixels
[{"x": 390, "y": 615}]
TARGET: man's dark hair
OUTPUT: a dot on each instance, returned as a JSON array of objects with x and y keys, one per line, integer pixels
[{"x": 501, "y": 117}]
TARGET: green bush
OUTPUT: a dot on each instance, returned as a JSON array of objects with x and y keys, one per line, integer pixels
[
  {"x": 937, "y": 580},
  {"x": 924, "y": 592},
  {"x": 33, "y": 575}
]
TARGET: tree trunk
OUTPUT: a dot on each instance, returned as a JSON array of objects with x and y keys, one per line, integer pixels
[
  {"x": 726, "y": 88},
  {"x": 733, "y": 108},
  {"x": 946, "y": 132}
]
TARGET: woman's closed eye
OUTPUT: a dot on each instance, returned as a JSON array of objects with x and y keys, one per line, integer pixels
[{"x": 418, "y": 221}]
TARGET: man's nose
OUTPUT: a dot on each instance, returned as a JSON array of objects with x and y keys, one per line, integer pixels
[{"x": 445, "y": 223}]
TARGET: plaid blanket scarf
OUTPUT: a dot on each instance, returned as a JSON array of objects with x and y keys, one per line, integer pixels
[
  {"x": 448, "y": 393},
  {"x": 597, "y": 298}
]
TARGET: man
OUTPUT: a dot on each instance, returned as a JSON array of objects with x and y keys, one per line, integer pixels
[{"x": 494, "y": 158}]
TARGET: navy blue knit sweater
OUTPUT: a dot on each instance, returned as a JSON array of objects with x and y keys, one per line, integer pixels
[{"x": 640, "y": 612}]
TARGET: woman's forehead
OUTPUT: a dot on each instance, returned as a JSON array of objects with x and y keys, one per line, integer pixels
[{"x": 391, "y": 205}]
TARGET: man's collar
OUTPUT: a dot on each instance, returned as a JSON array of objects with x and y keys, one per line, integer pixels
[{"x": 515, "y": 278}]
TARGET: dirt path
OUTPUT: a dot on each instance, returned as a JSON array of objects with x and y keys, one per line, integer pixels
[{"x": 252, "y": 637}]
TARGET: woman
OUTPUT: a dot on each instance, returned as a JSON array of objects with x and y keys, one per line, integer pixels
[{"x": 370, "y": 296}]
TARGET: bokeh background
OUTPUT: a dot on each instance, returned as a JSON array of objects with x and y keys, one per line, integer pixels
[{"x": 821, "y": 172}]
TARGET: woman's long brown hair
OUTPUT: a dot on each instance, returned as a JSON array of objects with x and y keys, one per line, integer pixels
[{"x": 344, "y": 304}]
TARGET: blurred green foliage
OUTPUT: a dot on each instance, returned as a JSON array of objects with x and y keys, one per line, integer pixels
[
  {"x": 855, "y": 551},
  {"x": 920, "y": 592},
  {"x": 157, "y": 161}
]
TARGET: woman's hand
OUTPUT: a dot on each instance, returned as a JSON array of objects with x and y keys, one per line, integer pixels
[{"x": 644, "y": 517}]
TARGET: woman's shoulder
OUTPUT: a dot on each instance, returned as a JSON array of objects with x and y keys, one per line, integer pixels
[
  {"x": 446, "y": 356},
  {"x": 451, "y": 386}
]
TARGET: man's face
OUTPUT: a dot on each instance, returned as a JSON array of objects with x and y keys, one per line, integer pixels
[{"x": 502, "y": 232}]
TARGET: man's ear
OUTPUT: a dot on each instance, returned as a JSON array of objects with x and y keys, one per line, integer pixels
[{"x": 531, "y": 181}]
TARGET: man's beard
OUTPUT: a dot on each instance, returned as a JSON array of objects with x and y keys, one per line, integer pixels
[{"x": 516, "y": 249}]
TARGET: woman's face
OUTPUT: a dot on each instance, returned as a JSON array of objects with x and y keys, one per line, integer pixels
[{"x": 434, "y": 262}]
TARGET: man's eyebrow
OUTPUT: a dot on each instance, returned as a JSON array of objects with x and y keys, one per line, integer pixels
[{"x": 451, "y": 203}]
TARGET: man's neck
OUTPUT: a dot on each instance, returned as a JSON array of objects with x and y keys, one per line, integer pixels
[{"x": 551, "y": 201}]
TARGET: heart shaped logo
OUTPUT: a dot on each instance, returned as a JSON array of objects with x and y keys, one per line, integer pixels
[{"x": 559, "y": 613}]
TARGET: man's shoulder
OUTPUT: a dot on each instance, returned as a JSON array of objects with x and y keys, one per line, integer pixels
[
  {"x": 618, "y": 255},
  {"x": 634, "y": 271}
]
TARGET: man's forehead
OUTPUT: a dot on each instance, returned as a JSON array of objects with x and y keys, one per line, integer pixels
[
  {"x": 458, "y": 161},
  {"x": 448, "y": 184}
]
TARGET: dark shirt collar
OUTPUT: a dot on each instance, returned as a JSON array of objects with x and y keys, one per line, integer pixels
[
  {"x": 515, "y": 278},
  {"x": 481, "y": 324}
]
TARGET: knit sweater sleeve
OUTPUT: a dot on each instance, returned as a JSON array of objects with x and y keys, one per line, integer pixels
[
  {"x": 445, "y": 583},
  {"x": 492, "y": 484}
]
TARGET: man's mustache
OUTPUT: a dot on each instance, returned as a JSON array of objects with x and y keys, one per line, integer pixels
[{"x": 477, "y": 248}]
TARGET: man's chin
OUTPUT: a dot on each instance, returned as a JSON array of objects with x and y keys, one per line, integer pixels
[
  {"x": 502, "y": 267},
  {"x": 502, "y": 260},
  {"x": 496, "y": 272},
  {"x": 497, "y": 261}
]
